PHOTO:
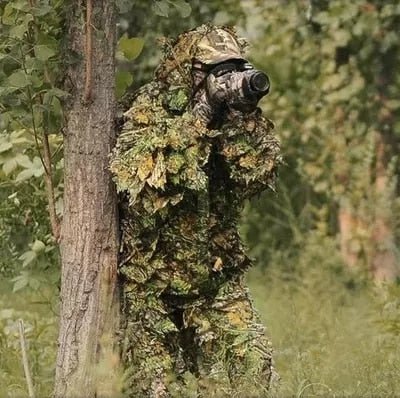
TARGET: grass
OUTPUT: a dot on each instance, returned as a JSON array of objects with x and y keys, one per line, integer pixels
[
  {"x": 333, "y": 342},
  {"x": 334, "y": 335},
  {"x": 37, "y": 310}
]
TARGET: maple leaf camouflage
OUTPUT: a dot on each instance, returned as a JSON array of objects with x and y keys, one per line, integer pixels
[{"x": 190, "y": 327}]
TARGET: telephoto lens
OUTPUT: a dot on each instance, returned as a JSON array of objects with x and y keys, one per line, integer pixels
[{"x": 259, "y": 82}]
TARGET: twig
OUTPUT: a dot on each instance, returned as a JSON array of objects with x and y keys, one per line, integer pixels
[
  {"x": 48, "y": 180},
  {"x": 30, "y": 97},
  {"x": 46, "y": 157},
  {"x": 28, "y": 376},
  {"x": 88, "y": 50}
]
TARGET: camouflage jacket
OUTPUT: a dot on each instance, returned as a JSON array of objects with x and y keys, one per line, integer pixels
[{"x": 184, "y": 187}]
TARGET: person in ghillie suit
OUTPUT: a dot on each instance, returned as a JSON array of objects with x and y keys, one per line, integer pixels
[{"x": 184, "y": 164}]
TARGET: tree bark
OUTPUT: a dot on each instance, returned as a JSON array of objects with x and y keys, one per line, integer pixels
[
  {"x": 347, "y": 225},
  {"x": 89, "y": 234},
  {"x": 384, "y": 264}
]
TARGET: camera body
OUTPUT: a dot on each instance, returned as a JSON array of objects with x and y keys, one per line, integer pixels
[{"x": 227, "y": 87}]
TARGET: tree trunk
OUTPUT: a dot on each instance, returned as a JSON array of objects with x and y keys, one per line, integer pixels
[
  {"x": 384, "y": 264},
  {"x": 347, "y": 226},
  {"x": 89, "y": 235}
]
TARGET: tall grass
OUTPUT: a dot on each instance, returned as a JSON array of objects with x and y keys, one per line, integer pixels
[
  {"x": 334, "y": 334},
  {"x": 38, "y": 311}
]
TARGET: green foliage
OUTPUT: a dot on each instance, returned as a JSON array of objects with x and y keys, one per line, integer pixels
[
  {"x": 162, "y": 7},
  {"x": 130, "y": 47},
  {"x": 29, "y": 44},
  {"x": 326, "y": 60},
  {"x": 37, "y": 311},
  {"x": 334, "y": 99},
  {"x": 31, "y": 113},
  {"x": 333, "y": 333},
  {"x": 168, "y": 19}
]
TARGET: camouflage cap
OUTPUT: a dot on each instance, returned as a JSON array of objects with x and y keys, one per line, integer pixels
[
  {"x": 207, "y": 44},
  {"x": 216, "y": 46}
]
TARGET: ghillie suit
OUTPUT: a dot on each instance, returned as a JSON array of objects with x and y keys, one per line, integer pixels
[{"x": 191, "y": 330}]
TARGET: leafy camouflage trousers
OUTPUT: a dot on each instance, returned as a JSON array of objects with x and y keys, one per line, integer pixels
[{"x": 182, "y": 347}]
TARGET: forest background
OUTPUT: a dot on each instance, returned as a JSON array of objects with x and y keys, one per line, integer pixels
[{"x": 325, "y": 244}]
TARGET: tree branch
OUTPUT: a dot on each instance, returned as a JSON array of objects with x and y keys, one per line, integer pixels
[
  {"x": 46, "y": 158},
  {"x": 48, "y": 179}
]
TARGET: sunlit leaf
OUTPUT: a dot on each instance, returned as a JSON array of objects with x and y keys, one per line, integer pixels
[
  {"x": 123, "y": 80},
  {"x": 27, "y": 257},
  {"x": 5, "y": 146},
  {"x": 38, "y": 246},
  {"x": 38, "y": 169},
  {"x": 130, "y": 47},
  {"x": 9, "y": 166},
  {"x": 24, "y": 175},
  {"x": 20, "y": 283},
  {"x": 18, "y": 31},
  {"x": 24, "y": 161}
]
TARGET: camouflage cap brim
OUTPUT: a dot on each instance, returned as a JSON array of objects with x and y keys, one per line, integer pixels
[{"x": 217, "y": 46}]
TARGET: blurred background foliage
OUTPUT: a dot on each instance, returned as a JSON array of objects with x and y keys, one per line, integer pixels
[{"x": 323, "y": 243}]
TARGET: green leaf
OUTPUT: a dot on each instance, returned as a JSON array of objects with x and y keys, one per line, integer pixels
[
  {"x": 20, "y": 283},
  {"x": 38, "y": 246},
  {"x": 56, "y": 92},
  {"x": 182, "y": 6},
  {"x": 123, "y": 80},
  {"x": 130, "y": 47},
  {"x": 34, "y": 283},
  {"x": 8, "y": 17},
  {"x": 44, "y": 52},
  {"x": 24, "y": 175},
  {"x": 19, "y": 137},
  {"x": 27, "y": 257},
  {"x": 18, "y": 79},
  {"x": 42, "y": 10},
  {"x": 5, "y": 146},
  {"x": 18, "y": 31},
  {"x": 24, "y": 161},
  {"x": 21, "y": 280},
  {"x": 21, "y": 5},
  {"x": 38, "y": 169},
  {"x": 9, "y": 166},
  {"x": 161, "y": 7}
]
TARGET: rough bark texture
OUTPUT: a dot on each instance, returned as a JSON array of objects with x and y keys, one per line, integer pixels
[
  {"x": 384, "y": 264},
  {"x": 347, "y": 226},
  {"x": 89, "y": 235}
]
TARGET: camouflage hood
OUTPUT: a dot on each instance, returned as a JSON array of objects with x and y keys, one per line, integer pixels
[{"x": 207, "y": 44}]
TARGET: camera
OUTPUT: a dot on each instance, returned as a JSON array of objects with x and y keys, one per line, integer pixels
[{"x": 230, "y": 86}]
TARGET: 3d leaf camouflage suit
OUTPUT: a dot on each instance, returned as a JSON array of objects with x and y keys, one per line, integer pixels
[{"x": 186, "y": 160}]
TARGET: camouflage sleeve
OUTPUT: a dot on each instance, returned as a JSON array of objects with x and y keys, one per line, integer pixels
[{"x": 251, "y": 151}]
